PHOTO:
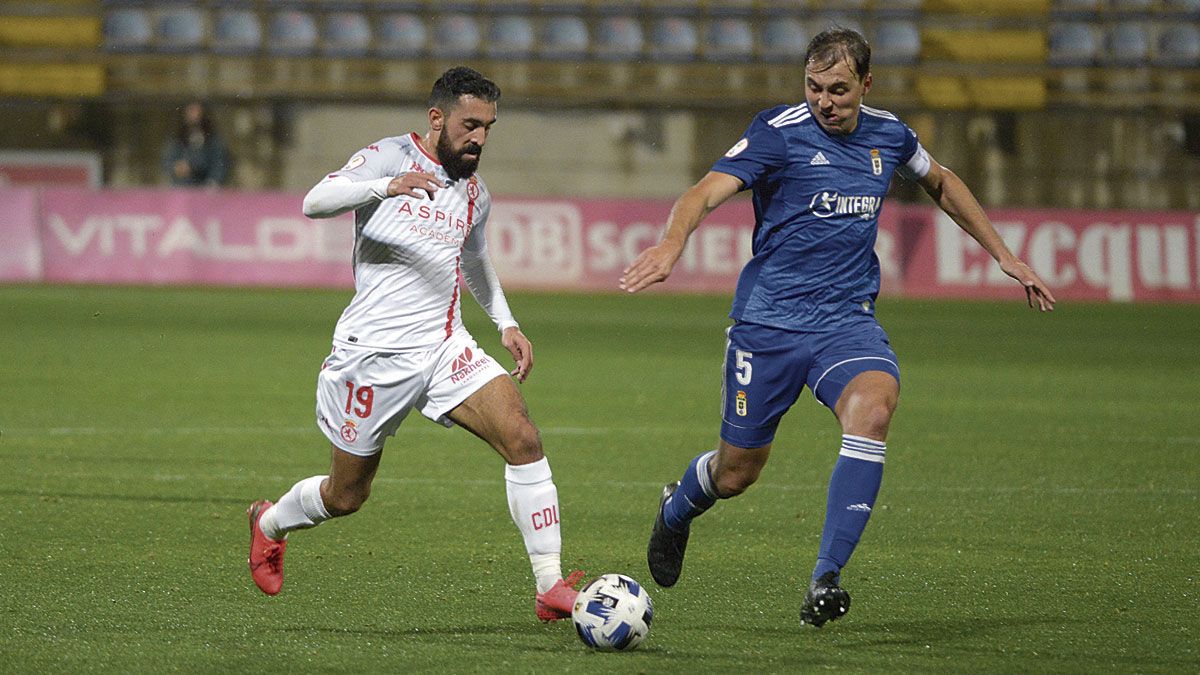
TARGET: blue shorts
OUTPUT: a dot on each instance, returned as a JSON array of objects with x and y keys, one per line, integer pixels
[{"x": 766, "y": 369}]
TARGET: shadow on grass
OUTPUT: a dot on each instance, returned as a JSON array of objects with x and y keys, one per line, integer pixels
[{"x": 934, "y": 631}]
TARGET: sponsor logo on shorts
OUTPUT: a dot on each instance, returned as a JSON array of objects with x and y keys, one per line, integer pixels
[
  {"x": 349, "y": 432},
  {"x": 465, "y": 365},
  {"x": 742, "y": 407}
]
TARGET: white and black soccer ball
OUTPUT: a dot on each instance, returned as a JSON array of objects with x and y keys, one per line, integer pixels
[{"x": 613, "y": 613}]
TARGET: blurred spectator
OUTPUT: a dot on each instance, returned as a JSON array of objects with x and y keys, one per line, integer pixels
[{"x": 195, "y": 155}]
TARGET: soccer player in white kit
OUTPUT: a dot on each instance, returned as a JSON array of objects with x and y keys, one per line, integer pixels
[{"x": 420, "y": 213}]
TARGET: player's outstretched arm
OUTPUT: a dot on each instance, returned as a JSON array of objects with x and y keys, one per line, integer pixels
[
  {"x": 655, "y": 263},
  {"x": 954, "y": 197}
]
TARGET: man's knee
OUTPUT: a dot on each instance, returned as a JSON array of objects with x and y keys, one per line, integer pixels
[
  {"x": 869, "y": 416},
  {"x": 523, "y": 444}
]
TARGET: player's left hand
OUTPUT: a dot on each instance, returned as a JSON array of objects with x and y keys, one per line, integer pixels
[
  {"x": 1035, "y": 288},
  {"x": 521, "y": 349}
]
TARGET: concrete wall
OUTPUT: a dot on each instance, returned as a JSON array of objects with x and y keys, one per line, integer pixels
[{"x": 535, "y": 153}]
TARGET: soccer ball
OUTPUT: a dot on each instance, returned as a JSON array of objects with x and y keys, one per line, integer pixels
[{"x": 613, "y": 613}]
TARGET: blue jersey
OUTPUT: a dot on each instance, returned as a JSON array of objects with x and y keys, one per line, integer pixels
[{"x": 817, "y": 198}]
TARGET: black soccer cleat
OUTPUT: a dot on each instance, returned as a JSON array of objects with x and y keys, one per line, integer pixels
[
  {"x": 665, "y": 552},
  {"x": 824, "y": 601}
]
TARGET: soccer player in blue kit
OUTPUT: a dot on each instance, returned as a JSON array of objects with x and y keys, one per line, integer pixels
[{"x": 804, "y": 309}]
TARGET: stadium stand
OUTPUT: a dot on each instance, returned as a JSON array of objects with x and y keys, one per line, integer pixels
[
  {"x": 346, "y": 34},
  {"x": 896, "y": 42},
  {"x": 1179, "y": 46},
  {"x": 292, "y": 32},
  {"x": 401, "y": 35},
  {"x": 180, "y": 28},
  {"x": 564, "y": 37},
  {"x": 729, "y": 39},
  {"x": 510, "y": 36},
  {"x": 618, "y": 38},
  {"x": 1127, "y": 44},
  {"x": 783, "y": 39},
  {"x": 456, "y": 35},
  {"x": 673, "y": 39},
  {"x": 127, "y": 29},
  {"x": 236, "y": 31},
  {"x": 1073, "y": 44}
]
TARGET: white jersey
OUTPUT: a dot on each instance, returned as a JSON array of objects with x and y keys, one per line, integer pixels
[{"x": 409, "y": 251}]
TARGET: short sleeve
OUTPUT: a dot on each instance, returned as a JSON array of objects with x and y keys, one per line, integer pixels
[{"x": 760, "y": 151}]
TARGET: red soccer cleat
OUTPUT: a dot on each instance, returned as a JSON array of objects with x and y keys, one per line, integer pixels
[
  {"x": 557, "y": 602},
  {"x": 266, "y": 554}
]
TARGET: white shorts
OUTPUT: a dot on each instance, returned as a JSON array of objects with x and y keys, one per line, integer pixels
[{"x": 364, "y": 395}]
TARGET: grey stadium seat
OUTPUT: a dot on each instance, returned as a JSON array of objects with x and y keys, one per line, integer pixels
[
  {"x": 292, "y": 32},
  {"x": 180, "y": 28},
  {"x": 236, "y": 31},
  {"x": 401, "y": 35},
  {"x": 456, "y": 35},
  {"x": 783, "y": 39},
  {"x": 1128, "y": 44},
  {"x": 346, "y": 34},
  {"x": 127, "y": 29},
  {"x": 564, "y": 37},
  {"x": 619, "y": 38},
  {"x": 673, "y": 38},
  {"x": 729, "y": 39},
  {"x": 510, "y": 36},
  {"x": 896, "y": 42},
  {"x": 1179, "y": 46},
  {"x": 1073, "y": 44}
]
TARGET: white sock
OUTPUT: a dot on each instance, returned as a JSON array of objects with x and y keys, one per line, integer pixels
[
  {"x": 302, "y": 507},
  {"x": 533, "y": 503}
]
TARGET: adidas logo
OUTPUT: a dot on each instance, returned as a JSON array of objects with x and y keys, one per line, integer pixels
[
  {"x": 859, "y": 507},
  {"x": 818, "y": 159}
]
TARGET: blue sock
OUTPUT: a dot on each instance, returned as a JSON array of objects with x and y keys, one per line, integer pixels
[
  {"x": 695, "y": 494},
  {"x": 852, "y": 491}
]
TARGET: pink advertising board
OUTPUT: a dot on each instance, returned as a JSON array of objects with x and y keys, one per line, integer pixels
[
  {"x": 1117, "y": 256},
  {"x": 192, "y": 237},
  {"x": 262, "y": 239},
  {"x": 21, "y": 252}
]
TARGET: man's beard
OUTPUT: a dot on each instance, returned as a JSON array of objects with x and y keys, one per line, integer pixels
[{"x": 456, "y": 167}]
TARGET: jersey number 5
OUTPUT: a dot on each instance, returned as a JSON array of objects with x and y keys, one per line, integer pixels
[
  {"x": 364, "y": 395},
  {"x": 741, "y": 361}
]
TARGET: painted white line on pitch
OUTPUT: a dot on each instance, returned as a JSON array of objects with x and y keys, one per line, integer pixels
[
  {"x": 657, "y": 485},
  {"x": 242, "y": 431}
]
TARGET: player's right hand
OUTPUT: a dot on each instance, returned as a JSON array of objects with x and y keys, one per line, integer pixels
[
  {"x": 412, "y": 182},
  {"x": 650, "y": 267}
]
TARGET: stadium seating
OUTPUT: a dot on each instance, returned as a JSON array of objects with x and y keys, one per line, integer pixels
[
  {"x": 127, "y": 29},
  {"x": 1073, "y": 44},
  {"x": 346, "y": 34},
  {"x": 564, "y": 37},
  {"x": 401, "y": 35},
  {"x": 673, "y": 39},
  {"x": 456, "y": 35},
  {"x": 729, "y": 39},
  {"x": 783, "y": 39},
  {"x": 292, "y": 32},
  {"x": 1127, "y": 44},
  {"x": 180, "y": 28},
  {"x": 510, "y": 36},
  {"x": 1179, "y": 46},
  {"x": 619, "y": 38},
  {"x": 896, "y": 42},
  {"x": 236, "y": 31}
]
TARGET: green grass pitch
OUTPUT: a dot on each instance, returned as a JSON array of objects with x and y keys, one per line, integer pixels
[{"x": 1038, "y": 512}]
